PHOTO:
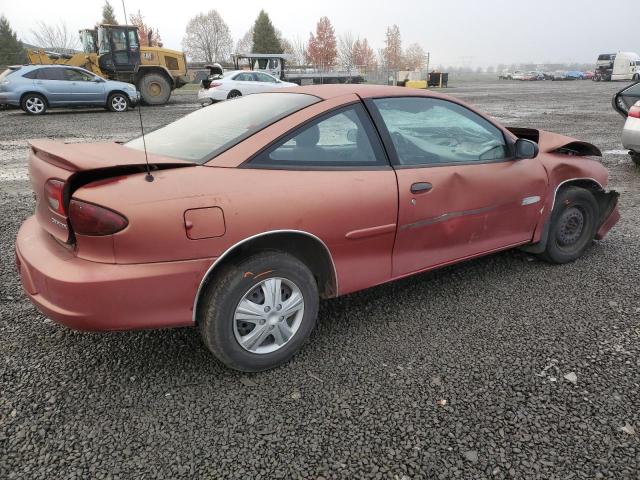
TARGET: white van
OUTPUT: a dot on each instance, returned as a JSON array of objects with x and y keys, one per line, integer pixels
[{"x": 626, "y": 66}]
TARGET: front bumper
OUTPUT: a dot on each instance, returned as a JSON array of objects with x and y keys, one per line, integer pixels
[
  {"x": 134, "y": 99},
  {"x": 86, "y": 295}
]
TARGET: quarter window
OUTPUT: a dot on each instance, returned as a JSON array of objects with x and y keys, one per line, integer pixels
[
  {"x": 344, "y": 138},
  {"x": 244, "y": 77},
  {"x": 428, "y": 131}
]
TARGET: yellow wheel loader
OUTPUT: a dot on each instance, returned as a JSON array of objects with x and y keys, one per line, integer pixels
[{"x": 114, "y": 52}]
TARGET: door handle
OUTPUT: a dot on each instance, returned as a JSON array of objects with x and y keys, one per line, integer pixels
[{"x": 421, "y": 187}]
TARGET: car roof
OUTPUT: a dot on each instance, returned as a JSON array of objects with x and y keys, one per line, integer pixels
[{"x": 328, "y": 91}]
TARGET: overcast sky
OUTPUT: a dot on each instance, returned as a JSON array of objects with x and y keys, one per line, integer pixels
[{"x": 456, "y": 32}]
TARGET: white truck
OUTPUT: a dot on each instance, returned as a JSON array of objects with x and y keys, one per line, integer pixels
[{"x": 617, "y": 66}]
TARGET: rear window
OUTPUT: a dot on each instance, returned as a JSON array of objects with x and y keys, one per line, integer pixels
[
  {"x": 205, "y": 133},
  {"x": 8, "y": 72}
]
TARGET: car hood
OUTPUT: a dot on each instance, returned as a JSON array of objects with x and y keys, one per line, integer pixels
[
  {"x": 122, "y": 85},
  {"x": 549, "y": 142}
]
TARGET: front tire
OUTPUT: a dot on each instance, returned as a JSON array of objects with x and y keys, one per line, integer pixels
[
  {"x": 118, "y": 102},
  {"x": 572, "y": 226},
  {"x": 154, "y": 88},
  {"x": 34, "y": 104},
  {"x": 635, "y": 157},
  {"x": 256, "y": 314}
]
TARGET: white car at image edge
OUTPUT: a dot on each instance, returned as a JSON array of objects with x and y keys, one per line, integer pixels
[{"x": 237, "y": 83}]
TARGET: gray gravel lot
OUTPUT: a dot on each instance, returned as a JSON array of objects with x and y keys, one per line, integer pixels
[{"x": 494, "y": 338}]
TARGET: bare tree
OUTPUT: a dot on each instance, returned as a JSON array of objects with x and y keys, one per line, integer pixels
[
  {"x": 208, "y": 38},
  {"x": 298, "y": 51},
  {"x": 56, "y": 38},
  {"x": 245, "y": 44},
  {"x": 347, "y": 51},
  {"x": 415, "y": 58},
  {"x": 392, "y": 52}
]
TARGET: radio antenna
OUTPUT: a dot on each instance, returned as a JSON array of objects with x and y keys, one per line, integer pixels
[{"x": 148, "y": 177}]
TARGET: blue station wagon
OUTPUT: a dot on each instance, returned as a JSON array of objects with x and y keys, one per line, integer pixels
[{"x": 35, "y": 88}]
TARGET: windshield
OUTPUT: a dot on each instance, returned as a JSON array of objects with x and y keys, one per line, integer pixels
[{"x": 205, "y": 133}]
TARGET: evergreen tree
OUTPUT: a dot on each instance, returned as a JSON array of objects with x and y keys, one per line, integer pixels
[
  {"x": 108, "y": 16},
  {"x": 265, "y": 39},
  {"x": 11, "y": 49}
]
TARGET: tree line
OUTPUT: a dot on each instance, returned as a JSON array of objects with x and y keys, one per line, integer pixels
[{"x": 208, "y": 39}]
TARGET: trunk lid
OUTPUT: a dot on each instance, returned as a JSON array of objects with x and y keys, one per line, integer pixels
[{"x": 76, "y": 165}]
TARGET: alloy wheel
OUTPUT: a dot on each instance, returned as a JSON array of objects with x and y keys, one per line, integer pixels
[
  {"x": 35, "y": 105},
  {"x": 119, "y": 103},
  {"x": 268, "y": 315}
]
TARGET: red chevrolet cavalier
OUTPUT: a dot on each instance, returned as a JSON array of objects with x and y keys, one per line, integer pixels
[{"x": 258, "y": 207}]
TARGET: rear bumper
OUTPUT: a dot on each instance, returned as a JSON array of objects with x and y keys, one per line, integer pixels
[
  {"x": 86, "y": 295},
  {"x": 631, "y": 134},
  {"x": 9, "y": 98}
]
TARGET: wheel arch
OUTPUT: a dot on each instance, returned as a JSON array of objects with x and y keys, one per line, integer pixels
[
  {"x": 305, "y": 246},
  {"x": 34, "y": 92},
  {"x": 603, "y": 198}
]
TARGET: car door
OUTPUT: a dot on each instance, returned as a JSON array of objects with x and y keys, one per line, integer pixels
[
  {"x": 265, "y": 82},
  {"x": 244, "y": 82},
  {"x": 336, "y": 166},
  {"x": 460, "y": 192},
  {"x": 51, "y": 82},
  {"x": 84, "y": 88}
]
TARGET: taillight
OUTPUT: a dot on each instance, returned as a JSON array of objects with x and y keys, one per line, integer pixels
[
  {"x": 214, "y": 85},
  {"x": 635, "y": 110},
  {"x": 90, "y": 219},
  {"x": 53, "y": 191}
]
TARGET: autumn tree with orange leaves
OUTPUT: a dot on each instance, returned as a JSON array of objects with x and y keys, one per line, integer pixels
[
  {"x": 322, "y": 49},
  {"x": 363, "y": 55},
  {"x": 144, "y": 30}
]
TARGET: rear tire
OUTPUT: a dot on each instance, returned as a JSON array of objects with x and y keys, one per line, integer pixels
[
  {"x": 234, "y": 94},
  {"x": 240, "y": 319},
  {"x": 118, "y": 102},
  {"x": 154, "y": 88},
  {"x": 572, "y": 225},
  {"x": 34, "y": 104},
  {"x": 635, "y": 157}
]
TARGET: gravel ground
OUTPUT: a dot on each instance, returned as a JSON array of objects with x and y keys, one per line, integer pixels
[{"x": 503, "y": 367}]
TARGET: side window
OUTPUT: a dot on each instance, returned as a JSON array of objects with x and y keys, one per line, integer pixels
[
  {"x": 263, "y": 77},
  {"x": 51, "y": 74},
  {"x": 74, "y": 75},
  {"x": 32, "y": 74},
  {"x": 133, "y": 40},
  {"x": 431, "y": 131},
  {"x": 344, "y": 138},
  {"x": 244, "y": 77}
]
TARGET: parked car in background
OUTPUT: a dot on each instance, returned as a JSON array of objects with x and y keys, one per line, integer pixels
[
  {"x": 588, "y": 75},
  {"x": 625, "y": 98},
  {"x": 574, "y": 75},
  {"x": 530, "y": 76},
  {"x": 505, "y": 75},
  {"x": 518, "y": 75},
  {"x": 631, "y": 133},
  {"x": 237, "y": 83},
  {"x": 36, "y": 88},
  {"x": 264, "y": 205}
]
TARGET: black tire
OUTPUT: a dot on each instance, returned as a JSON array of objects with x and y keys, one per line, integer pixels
[
  {"x": 234, "y": 94},
  {"x": 573, "y": 225},
  {"x": 635, "y": 157},
  {"x": 155, "y": 89},
  {"x": 227, "y": 288},
  {"x": 118, "y": 102},
  {"x": 30, "y": 100}
]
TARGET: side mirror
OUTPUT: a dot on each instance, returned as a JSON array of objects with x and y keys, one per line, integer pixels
[
  {"x": 526, "y": 149},
  {"x": 352, "y": 135},
  {"x": 98, "y": 80}
]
